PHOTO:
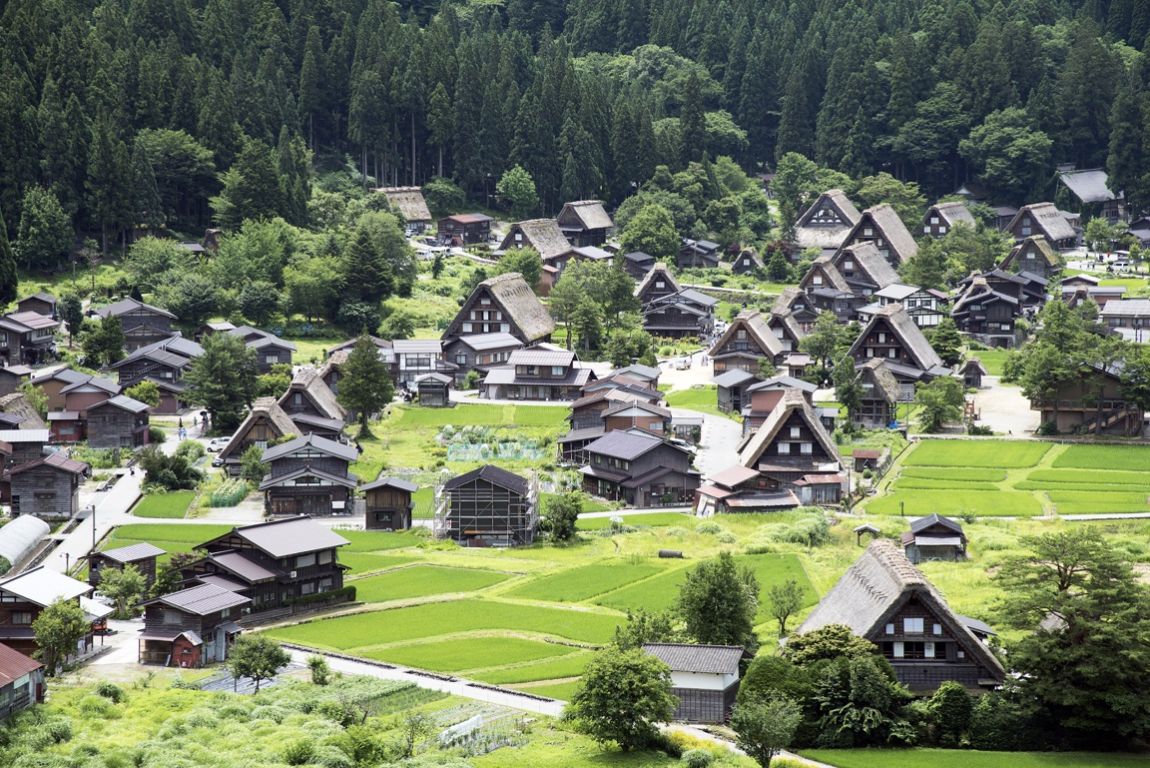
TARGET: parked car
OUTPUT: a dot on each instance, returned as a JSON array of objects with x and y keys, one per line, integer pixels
[
  {"x": 216, "y": 444},
  {"x": 683, "y": 364}
]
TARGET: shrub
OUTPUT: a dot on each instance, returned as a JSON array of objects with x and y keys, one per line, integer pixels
[
  {"x": 726, "y": 537},
  {"x": 110, "y": 691},
  {"x": 1047, "y": 429},
  {"x": 320, "y": 670},
  {"x": 156, "y": 435},
  {"x": 708, "y": 527},
  {"x": 299, "y": 752},
  {"x": 190, "y": 450},
  {"x": 59, "y": 729},
  {"x": 697, "y": 758}
]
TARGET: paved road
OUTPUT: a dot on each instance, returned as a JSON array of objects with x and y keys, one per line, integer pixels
[
  {"x": 111, "y": 510},
  {"x": 719, "y": 443}
]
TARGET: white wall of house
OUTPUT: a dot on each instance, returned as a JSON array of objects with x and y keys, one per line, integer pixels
[{"x": 703, "y": 681}]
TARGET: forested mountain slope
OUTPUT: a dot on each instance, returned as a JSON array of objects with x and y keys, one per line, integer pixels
[{"x": 135, "y": 112}]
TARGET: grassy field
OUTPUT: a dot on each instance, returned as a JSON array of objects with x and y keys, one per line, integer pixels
[
  {"x": 583, "y": 583},
  {"x": 568, "y": 665},
  {"x": 655, "y": 519},
  {"x": 423, "y": 580},
  {"x": 955, "y": 758},
  {"x": 992, "y": 359},
  {"x": 475, "y": 653},
  {"x": 1016, "y": 479},
  {"x": 701, "y": 397},
  {"x": 170, "y": 538},
  {"x": 173, "y": 504}
]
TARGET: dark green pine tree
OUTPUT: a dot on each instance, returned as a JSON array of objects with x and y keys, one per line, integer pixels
[
  {"x": 109, "y": 183},
  {"x": 9, "y": 282},
  {"x": 1127, "y": 160},
  {"x": 312, "y": 90},
  {"x": 800, "y": 106},
  {"x": 692, "y": 120}
]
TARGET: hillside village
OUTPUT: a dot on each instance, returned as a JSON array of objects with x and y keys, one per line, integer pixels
[{"x": 637, "y": 383}]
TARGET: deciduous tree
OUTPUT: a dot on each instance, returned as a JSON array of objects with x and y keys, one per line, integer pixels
[
  {"x": 718, "y": 602},
  {"x": 57, "y": 629},
  {"x": 223, "y": 380},
  {"x": 125, "y": 586},
  {"x": 623, "y": 695},
  {"x": 765, "y": 727},
  {"x": 256, "y": 657},
  {"x": 365, "y": 385}
]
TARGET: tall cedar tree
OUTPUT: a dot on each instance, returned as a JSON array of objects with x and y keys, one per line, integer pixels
[
  {"x": 9, "y": 282},
  {"x": 223, "y": 380},
  {"x": 365, "y": 386}
]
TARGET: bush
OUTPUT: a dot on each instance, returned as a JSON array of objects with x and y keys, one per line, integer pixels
[
  {"x": 697, "y": 758},
  {"x": 59, "y": 729},
  {"x": 1047, "y": 429},
  {"x": 110, "y": 691},
  {"x": 709, "y": 527},
  {"x": 299, "y": 752},
  {"x": 156, "y": 435},
  {"x": 191, "y": 450}
]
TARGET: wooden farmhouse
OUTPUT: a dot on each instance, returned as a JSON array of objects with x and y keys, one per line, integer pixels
[
  {"x": 479, "y": 352},
  {"x": 829, "y": 291},
  {"x": 988, "y": 315},
  {"x": 639, "y": 469},
  {"x": 1130, "y": 317},
  {"x": 536, "y": 374},
  {"x": 27, "y": 338},
  {"x": 47, "y": 487},
  {"x": 925, "y": 306},
  {"x": 118, "y": 422},
  {"x": 760, "y": 398},
  {"x": 656, "y": 284},
  {"x": 308, "y": 476},
  {"x": 880, "y": 395},
  {"x": 892, "y": 337},
  {"x": 192, "y": 627},
  {"x": 864, "y": 269},
  {"x": 934, "y": 538},
  {"x": 972, "y": 372},
  {"x": 786, "y": 329},
  {"x": 12, "y": 377},
  {"x": 311, "y": 404},
  {"x": 412, "y": 358},
  {"x": 746, "y": 263},
  {"x": 274, "y": 563},
  {"x": 544, "y": 237},
  {"x": 700, "y": 254},
  {"x": 163, "y": 362},
  {"x": 704, "y": 679},
  {"x": 794, "y": 301},
  {"x": 409, "y": 203},
  {"x": 1075, "y": 294},
  {"x": 883, "y": 598},
  {"x": 647, "y": 375},
  {"x": 388, "y": 504},
  {"x": 21, "y": 682},
  {"x": 747, "y": 343},
  {"x": 731, "y": 389},
  {"x": 585, "y": 222},
  {"x": 82, "y": 395},
  {"x": 487, "y": 507},
  {"x": 41, "y": 303},
  {"x": 686, "y": 314},
  {"x": 52, "y": 381},
  {"x": 793, "y": 450},
  {"x": 1094, "y": 402},
  {"x": 434, "y": 390},
  {"x": 826, "y": 224},
  {"x": 142, "y": 556},
  {"x": 741, "y": 489},
  {"x": 270, "y": 350},
  {"x": 23, "y": 445},
  {"x": 637, "y": 264},
  {"x": 881, "y": 225},
  {"x": 941, "y": 218},
  {"x": 597, "y": 413},
  {"x": 1034, "y": 255},
  {"x": 143, "y": 324},
  {"x": 265, "y": 423},
  {"x": 502, "y": 304},
  {"x": 465, "y": 229},
  {"x": 1044, "y": 220},
  {"x": 1087, "y": 192},
  {"x": 25, "y": 595}
]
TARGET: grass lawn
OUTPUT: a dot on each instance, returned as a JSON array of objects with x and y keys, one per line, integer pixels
[
  {"x": 992, "y": 359},
  {"x": 1001, "y": 454},
  {"x": 961, "y": 758},
  {"x": 374, "y": 541},
  {"x": 956, "y": 502},
  {"x": 173, "y": 504},
  {"x": 366, "y": 562},
  {"x": 701, "y": 397},
  {"x": 568, "y": 665},
  {"x": 978, "y": 474},
  {"x": 579, "y": 584},
  {"x": 473, "y": 653},
  {"x": 1130, "y": 457},
  {"x": 379, "y": 627},
  {"x": 636, "y": 521},
  {"x": 422, "y": 580},
  {"x": 920, "y": 483},
  {"x": 1098, "y": 502},
  {"x": 1090, "y": 477},
  {"x": 307, "y": 350},
  {"x": 170, "y": 538},
  {"x": 654, "y": 594},
  {"x": 561, "y": 691}
]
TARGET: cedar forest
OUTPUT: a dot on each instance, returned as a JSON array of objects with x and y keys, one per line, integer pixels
[{"x": 130, "y": 113}]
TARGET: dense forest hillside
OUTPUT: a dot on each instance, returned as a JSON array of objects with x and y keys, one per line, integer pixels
[{"x": 139, "y": 112}]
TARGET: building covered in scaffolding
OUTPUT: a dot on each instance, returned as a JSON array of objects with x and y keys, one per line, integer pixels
[{"x": 487, "y": 507}]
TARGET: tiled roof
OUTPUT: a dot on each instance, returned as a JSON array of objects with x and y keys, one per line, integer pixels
[{"x": 703, "y": 659}]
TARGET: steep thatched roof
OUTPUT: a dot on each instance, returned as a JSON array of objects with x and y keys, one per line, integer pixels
[
  {"x": 1047, "y": 219},
  {"x": 792, "y": 402},
  {"x": 309, "y": 381},
  {"x": 867, "y": 259},
  {"x": 660, "y": 270},
  {"x": 895, "y": 317},
  {"x": 826, "y": 234},
  {"x": 952, "y": 213},
  {"x": 408, "y": 202},
  {"x": 17, "y": 405},
  {"x": 263, "y": 407},
  {"x": 832, "y": 278},
  {"x": 889, "y": 226},
  {"x": 590, "y": 213},
  {"x": 543, "y": 235},
  {"x": 872, "y": 590},
  {"x": 520, "y": 303},
  {"x": 884, "y": 381},
  {"x": 754, "y": 323},
  {"x": 1033, "y": 244}
]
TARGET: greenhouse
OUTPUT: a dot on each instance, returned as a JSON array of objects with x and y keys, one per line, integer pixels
[{"x": 19, "y": 537}]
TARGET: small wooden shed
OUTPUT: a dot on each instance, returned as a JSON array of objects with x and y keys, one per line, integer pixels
[
  {"x": 972, "y": 371},
  {"x": 434, "y": 390},
  {"x": 388, "y": 504}
]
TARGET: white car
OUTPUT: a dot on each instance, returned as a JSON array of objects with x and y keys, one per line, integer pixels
[
  {"x": 683, "y": 364},
  {"x": 216, "y": 444}
]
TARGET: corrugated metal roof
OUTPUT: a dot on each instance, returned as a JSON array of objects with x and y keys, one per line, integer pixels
[
  {"x": 311, "y": 440},
  {"x": 624, "y": 444},
  {"x": 133, "y": 552},
  {"x": 14, "y": 665},
  {"x": 705, "y": 659},
  {"x": 202, "y": 599},
  {"x": 492, "y": 474},
  {"x": 280, "y": 538},
  {"x": 43, "y": 586},
  {"x": 393, "y": 482},
  {"x": 540, "y": 357}
]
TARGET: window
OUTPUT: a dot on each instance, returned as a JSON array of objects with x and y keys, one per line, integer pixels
[
  {"x": 890, "y": 628},
  {"x": 271, "y": 359},
  {"x": 928, "y": 650},
  {"x": 942, "y": 230},
  {"x": 307, "y": 588},
  {"x": 848, "y": 266},
  {"x": 304, "y": 561},
  {"x": 324, "y": 557},
  {"x": 796, "y": 431},
  {"x": 805, "y": 449},
  {"x": 898, "y": 650},
  {"x": 936, "y": 629},
  {"x": 892, "y": 353},
  {"x": 22, "y": 617},
  {"x": 556, "y": 370},
  {"x": 926, "y": 230},
  {"x": 817, "y": 280},
  {"x": 933, "y": 219},
  {"x": 960, "y": 653},
  {"x": 912, "y": 626},
  {"x": 660, "y": 284},
  {"x": 868, "y": 232},
  {"x": 784, "y": 449},
  {"x": 882, "y": 338}
]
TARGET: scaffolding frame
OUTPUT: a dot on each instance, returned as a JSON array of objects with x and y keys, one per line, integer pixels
[{"x": 487, "y": 514}]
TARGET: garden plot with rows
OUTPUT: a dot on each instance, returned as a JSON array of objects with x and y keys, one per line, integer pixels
[{"x": 1001, "y": 478}]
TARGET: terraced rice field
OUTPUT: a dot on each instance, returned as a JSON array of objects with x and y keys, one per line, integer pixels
[
  {"x": 998, "y": 478},
  {"x": 424, "y": 580}
]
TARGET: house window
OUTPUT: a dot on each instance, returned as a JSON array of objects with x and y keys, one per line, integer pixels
[
  {"x": 936, "y": 629},
  {"x": 271, "y": 359},
  {"x": 796, "y": 431},
  {"x": 848, "y": 266},
  {"x": 890, "y": 628},
  {"x": 805, "y": 449},
  {"x": 926, "y": 230},
  {"x": 324, "y": 557},
  {"x": 21, "y": 617},
  {"x": 868, "y": 232},
  {"x": 304, "y": 561},
  {"x": 882, "y": 338},
  {"x": 933, "y": 219},
  {"x": 659, "y": 284},
  {"x": 912, "y": 626},
  {"x": 556, "y": 370},
  {"x": 928, "y": 650},
  {"x": 961, "y": 654},
  {"x": 892, "y": 353},
  {"x": 818, "y": 280},
  {"x": 307, "y": 588},
  {"x": 784, "y": 449},
  {"x": 942, "y": 230},
  {"x": 898, "y": 650}
]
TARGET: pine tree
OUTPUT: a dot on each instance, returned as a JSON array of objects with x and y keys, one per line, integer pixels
[
  {"x": 692, "y": 122},
  {"x": 365, "y": 385},
  {"x": 9, "y": 282}
]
